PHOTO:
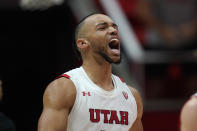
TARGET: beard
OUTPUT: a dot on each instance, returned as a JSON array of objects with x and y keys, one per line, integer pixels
[{"x": 102, "y": 52}]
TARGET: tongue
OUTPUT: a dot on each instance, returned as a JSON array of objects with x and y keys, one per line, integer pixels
[{"x": 115, "y": 51}]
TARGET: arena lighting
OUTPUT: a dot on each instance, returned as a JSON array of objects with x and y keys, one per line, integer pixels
[
  {"x": 39, "y": 4},
  {"x": 130, "y": 43}
]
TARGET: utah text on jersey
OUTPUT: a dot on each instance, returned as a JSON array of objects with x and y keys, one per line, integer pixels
[{"x": 96, "y": 114}]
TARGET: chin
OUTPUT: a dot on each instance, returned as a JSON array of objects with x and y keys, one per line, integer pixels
[
  {"x": 117, "y": 61},
  {"x": 111, "y": 60}
]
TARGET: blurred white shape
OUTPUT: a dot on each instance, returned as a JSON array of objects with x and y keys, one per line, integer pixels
[{"x": 39, "y": 4}]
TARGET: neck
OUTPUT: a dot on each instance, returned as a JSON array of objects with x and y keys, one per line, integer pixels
[{"x": 99, "y": 73}]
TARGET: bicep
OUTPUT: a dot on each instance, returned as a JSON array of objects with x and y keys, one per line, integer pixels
[
  {"x": 58, "y": 100},
  {"x": 53, "y": 120},
  {"x": 139, "y": 103},
  {"x": 137, "y": 125}
]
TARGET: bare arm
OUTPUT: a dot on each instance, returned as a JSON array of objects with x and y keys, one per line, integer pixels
[
  {"x": 58, "y": 100},
  {"x": 189, "y": 115},
  {"x": 137, "y": 125}
]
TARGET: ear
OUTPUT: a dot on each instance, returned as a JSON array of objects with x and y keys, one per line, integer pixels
[{"x": 82, "y": 43}]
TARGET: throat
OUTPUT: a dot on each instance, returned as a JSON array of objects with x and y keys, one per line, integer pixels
[
  {"x": 108, "y": 88},
  {"x": 100, "y": 76},
  {"x": 106, "y": 85}
]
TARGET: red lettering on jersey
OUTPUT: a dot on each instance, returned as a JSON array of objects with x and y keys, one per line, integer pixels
[
  {"x": 124, "y": 117},
  {"x": 86, "y": 93},
  {"x": 125, "y": 95},
  {"x": 97, "y": 119},
  {"x": 114, "y": 117},
  {"x": 105, "y": 112}
]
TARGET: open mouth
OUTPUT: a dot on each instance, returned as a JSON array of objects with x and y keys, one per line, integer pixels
[{"x": 114, "y": 44}]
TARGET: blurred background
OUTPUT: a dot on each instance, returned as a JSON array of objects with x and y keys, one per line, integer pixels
[{"x": 158, "y": 45}]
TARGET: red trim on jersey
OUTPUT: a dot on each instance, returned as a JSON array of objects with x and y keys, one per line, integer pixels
[
  {"x": 122, "y": 80},
  {"x": 63, "y": 75}
]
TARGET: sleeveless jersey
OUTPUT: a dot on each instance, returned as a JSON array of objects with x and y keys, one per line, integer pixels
[{"x": 96, "y": 109}]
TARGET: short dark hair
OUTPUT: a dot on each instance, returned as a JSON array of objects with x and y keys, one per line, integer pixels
[{"x": 77, "y": 29}]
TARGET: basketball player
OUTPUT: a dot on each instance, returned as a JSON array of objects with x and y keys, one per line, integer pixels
[
  {"x": 189, "y": 115},
  {"x": 91, "y": 98}
]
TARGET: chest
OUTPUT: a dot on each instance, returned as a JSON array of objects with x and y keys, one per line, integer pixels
[{"x": 117, "y": 107}]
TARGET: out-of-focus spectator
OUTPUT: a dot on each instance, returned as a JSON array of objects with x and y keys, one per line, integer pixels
[
  {"x": 130, "y": 8},
  {"x": 6, "y": 124},
  {"x": 170, "y": 23}
]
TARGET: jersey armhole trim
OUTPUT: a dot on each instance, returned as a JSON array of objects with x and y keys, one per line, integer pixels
[
  {"x": 63, "y": 75},
  {"x": 121, "y": 80}
]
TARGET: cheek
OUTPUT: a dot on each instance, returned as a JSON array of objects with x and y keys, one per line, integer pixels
[
  {"x": 99, "y": 37},
  {"x": 98, "y": 40}
]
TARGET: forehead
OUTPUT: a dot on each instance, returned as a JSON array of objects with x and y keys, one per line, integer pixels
[{"x": 98, "y": 18}]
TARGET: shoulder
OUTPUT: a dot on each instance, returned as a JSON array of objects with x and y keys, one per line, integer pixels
[
  {"x": 135, "y": 92},
  {"x": 60, "y": 93},
  {"x": 189, "y": 114},
  {"x": 138, "y": 100},
  {"x": 190, "y": 108}
]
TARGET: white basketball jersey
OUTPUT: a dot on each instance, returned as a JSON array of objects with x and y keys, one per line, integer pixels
[{"x": 96, "y": 109}]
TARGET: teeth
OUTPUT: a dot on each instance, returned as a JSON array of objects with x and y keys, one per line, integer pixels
[
  {"x": 114, "y": 39},
  {"x": 114, "y": 46}
]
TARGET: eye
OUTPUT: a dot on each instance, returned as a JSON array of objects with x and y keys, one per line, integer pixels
[
  {"x": 102, "y": 28},
  {"x": 115, "y": 27}
]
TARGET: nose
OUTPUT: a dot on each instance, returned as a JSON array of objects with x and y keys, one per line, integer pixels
[{"x": 113, "y": 31}]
